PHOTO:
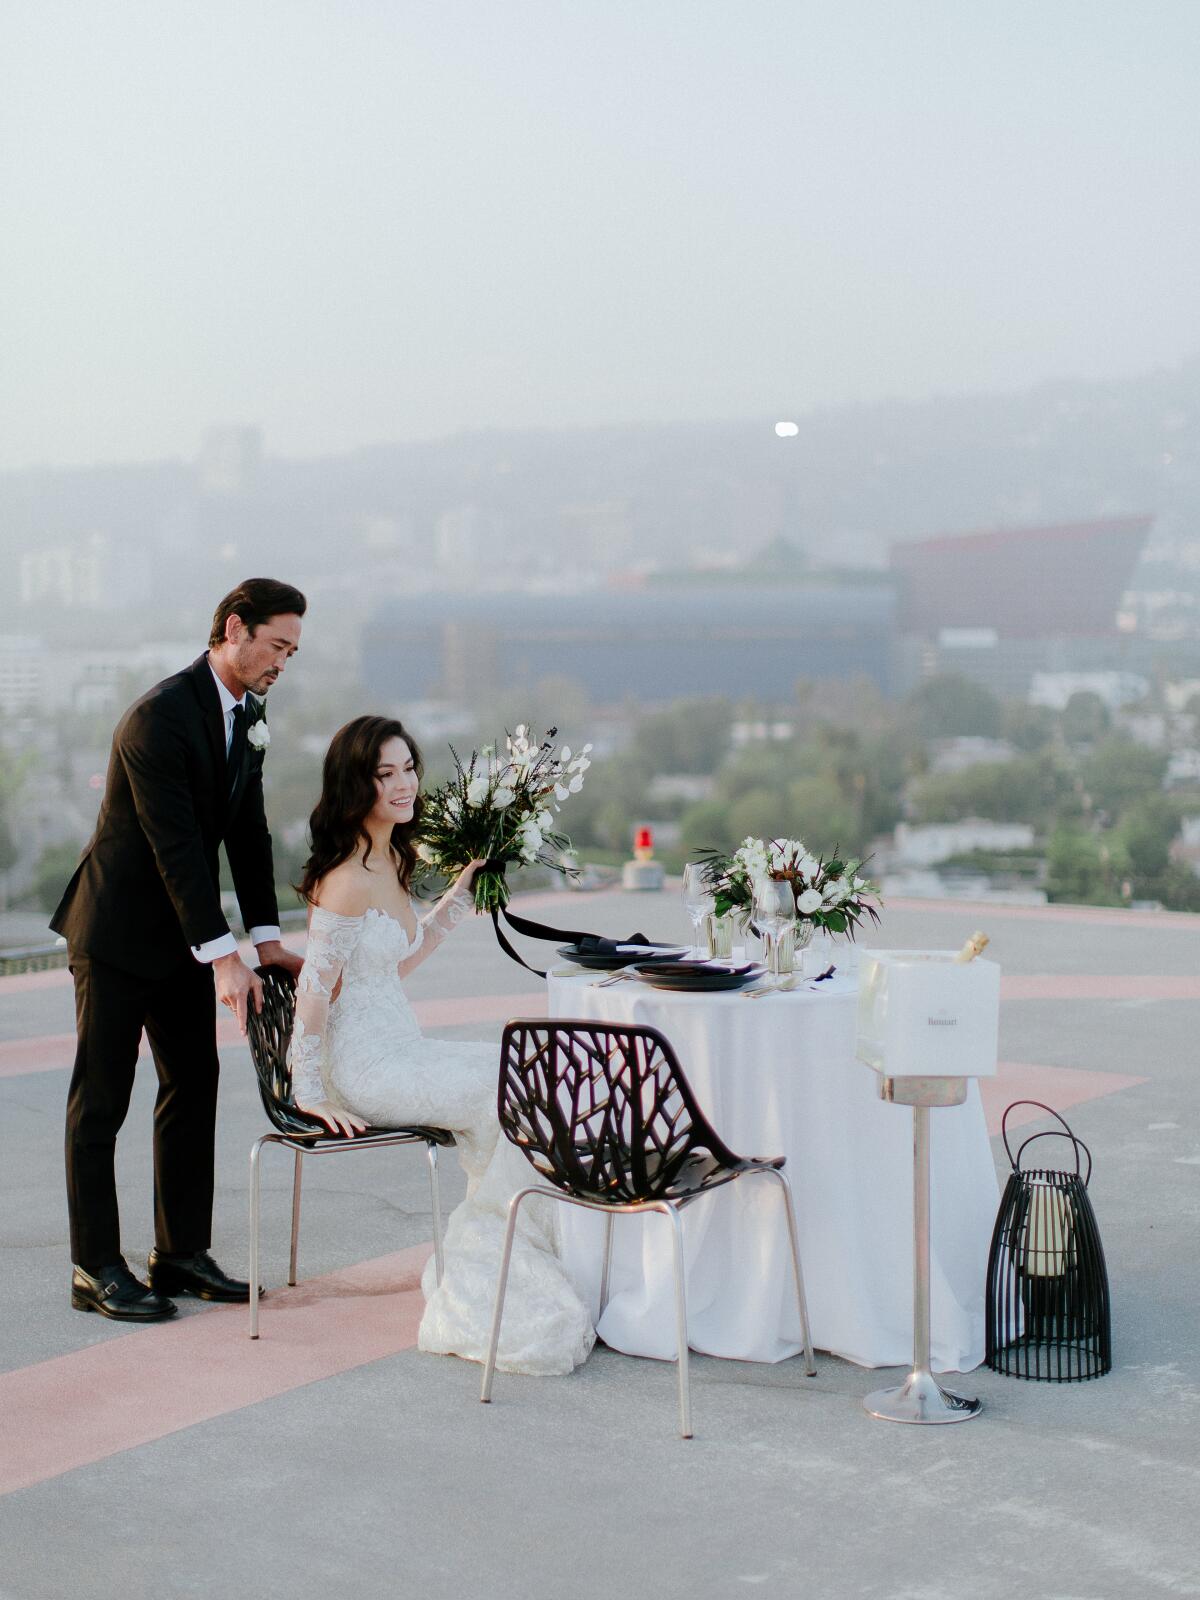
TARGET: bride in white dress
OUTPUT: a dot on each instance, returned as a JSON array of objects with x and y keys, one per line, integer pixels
[{"x": 358, "y": 1056}]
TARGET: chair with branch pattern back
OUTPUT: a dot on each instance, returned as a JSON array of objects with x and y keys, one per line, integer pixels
[
  {"x": 606, "y": 1116},
  {"x": 269, "y": 1033}
]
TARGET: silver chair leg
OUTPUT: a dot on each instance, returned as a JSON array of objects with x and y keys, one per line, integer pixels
[
  {"x": 255, "y": 1209},
  {"x": 296, "y": 1173},
  {"x": 810, "y": 1366},
  {"x": 681, "y": 1335},
  {"x": 435, "y": 1190},
  {"x": 606, "y": 1270},
  {"x": 489, "y": 1366}
]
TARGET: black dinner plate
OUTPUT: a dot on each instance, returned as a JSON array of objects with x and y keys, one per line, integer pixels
[
  {"x": 696, "y": 978},
  {"x": 610, "y": 960}
]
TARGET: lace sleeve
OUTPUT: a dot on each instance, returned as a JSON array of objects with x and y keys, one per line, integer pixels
[
  {"x": 442, "y": 920},
  {"x": 331, "y": 942}
]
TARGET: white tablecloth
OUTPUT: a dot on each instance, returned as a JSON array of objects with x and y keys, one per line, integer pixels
[{"x": 779, "y": 1077}]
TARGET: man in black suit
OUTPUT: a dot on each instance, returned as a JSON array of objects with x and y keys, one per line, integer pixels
[{"x": 149, "y": 944}]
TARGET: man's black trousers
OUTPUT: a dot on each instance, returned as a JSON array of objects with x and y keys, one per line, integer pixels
[{"x": 178, "y": 1014}]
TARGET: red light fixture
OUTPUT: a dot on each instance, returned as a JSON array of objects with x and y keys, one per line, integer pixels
[{"x": 643, "y": 844}]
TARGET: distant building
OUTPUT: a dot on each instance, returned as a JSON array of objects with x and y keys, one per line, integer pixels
[
  {"x": 935, "y": 842},
  {"x": 651, "y": 645},
  {"x": 1116, "y": 689},
  {"x": 1003, "y": 605}
]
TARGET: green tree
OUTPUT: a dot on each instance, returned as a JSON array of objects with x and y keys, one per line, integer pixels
[
  {"x": 52, "y": 874},
  {"x": 1118, "y": 772},
  {"x": 1083, "y": 869},
  {"x": 1085, "y": 718},
  {"x": 1146, "y": 832},
  {"x": 1034, "y": 789},
  {"x": 690, "y": 736},
  {"x": 1029, "y": 728},
  {"x": 949, "y": 706}
]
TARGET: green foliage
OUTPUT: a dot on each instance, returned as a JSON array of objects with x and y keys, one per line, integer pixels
[
  {"x": 1118, "y": 772},
  {"x": 1034, "y": 789},
  {"x": 1029, "y": 728},
  {"x": 950, "y": 706},
  {"x": 1085, "y": 718},
  {"x": 1145, "y": 833},
  {"x": 690, "y": 736},
  {"x": 52, "y": 874},
  {"x": 1083, "y": 869}
]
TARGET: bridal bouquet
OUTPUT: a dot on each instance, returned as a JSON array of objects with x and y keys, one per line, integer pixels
[
  {"x": 502, "y": 807},
  {"x": 827, "y": 892}
]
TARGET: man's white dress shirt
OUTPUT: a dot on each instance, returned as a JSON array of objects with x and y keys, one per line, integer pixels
[{"x": 226, "y": 945}]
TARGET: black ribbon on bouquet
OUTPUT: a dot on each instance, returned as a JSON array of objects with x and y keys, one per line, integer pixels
[{"x": 540, "y": 930}]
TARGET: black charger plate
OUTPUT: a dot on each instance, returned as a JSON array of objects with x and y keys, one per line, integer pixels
[
  {"x": 610, "y": 960},
  {"x": 696, "y": 979}
]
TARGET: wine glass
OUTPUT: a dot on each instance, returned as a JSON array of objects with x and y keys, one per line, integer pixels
[
  {"x": 697, "y": 902},
  {"x": 771, "y": 912}
]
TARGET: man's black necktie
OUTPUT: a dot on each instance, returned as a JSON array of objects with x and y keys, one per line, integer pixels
[{"x": 237, "y": 747}]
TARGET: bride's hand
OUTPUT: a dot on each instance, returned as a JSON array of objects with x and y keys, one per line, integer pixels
[
  {"x": 467, "y": 876},
  {"x": 334, "y": 1118}
]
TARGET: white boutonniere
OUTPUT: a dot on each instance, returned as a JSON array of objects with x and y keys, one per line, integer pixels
[{"x": 258, "y": 735}]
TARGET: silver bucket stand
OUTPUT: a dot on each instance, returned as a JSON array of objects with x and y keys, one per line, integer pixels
[{"x": 920, "y": 1398}]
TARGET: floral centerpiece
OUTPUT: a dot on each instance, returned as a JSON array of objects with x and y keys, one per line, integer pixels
[
  {"x": 502, "y": 807},
  {"x": 827, "y": 891}
]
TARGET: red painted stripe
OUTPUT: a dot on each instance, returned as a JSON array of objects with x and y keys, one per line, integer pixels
[{"x": 153, "y": 1381}]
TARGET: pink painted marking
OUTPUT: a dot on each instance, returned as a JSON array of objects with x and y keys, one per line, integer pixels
[
  {"x": 153, "y": 1381},
  {"x": 1091, "y": 986},
  {"x": 1059, "y": 1087},
  {"x": 55, "y": 1052},
  {"x": 1111, "y": 916}
]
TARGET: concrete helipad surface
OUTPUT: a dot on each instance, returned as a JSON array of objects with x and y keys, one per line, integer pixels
[{"x": 332, "y": 1459}]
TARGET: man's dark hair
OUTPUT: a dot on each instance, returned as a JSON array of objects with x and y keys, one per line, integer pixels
[{"x": 254, "y": 600}]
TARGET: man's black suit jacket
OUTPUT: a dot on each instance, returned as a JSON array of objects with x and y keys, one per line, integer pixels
[{"x": 148, "y": 886}]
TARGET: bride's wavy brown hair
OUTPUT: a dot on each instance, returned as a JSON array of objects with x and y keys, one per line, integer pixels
[{"x": 348, "y": 794}]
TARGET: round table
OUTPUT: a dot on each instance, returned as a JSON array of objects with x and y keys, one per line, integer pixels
[{"x": 779, "y": 1076}]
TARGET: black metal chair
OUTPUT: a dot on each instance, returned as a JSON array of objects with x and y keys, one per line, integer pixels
[
  {"x": 606, "y": 1116},
  {"x": 269, "y": 1032}
]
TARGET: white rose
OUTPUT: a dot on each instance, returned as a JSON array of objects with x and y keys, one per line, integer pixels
[
  {"x": 808, "y": 902},
  {"x": 477, "y": 791},
  {"x": 809, "y": 866},
  {"x": 258, "y": 735},
  {"x": 504, "y": 796}
]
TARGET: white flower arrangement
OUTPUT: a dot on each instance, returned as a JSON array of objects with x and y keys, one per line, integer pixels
[
  {"x": 829, "y": 893},
  {"x": 502, "y": 807}
]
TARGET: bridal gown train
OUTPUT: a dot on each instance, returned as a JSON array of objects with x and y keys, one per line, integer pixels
[{"x": 362, "y": 1047}]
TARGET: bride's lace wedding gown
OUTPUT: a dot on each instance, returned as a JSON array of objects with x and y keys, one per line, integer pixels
[{"x": 361, "y": 1046}]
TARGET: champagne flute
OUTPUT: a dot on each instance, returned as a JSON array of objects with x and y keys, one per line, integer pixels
[
  {"x": 697, "y": 902},
  {"x": 771, "y": 909}
]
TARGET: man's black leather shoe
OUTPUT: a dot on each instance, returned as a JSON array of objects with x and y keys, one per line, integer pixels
[
  {"x": 196, "y": 1274},
  {"x": 115, "y": 1292}
]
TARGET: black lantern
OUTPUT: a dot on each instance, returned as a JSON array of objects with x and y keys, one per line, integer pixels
[{"x": 1048, "y": 1309}]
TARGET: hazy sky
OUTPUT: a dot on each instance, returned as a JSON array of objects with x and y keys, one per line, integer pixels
[{"x": 354, "y": 220}]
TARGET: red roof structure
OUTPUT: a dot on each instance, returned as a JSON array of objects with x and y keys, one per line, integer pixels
[{"x": 1022, "y": 582}]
